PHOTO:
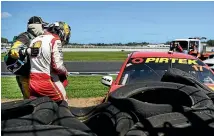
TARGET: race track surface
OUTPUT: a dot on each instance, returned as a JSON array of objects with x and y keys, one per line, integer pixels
[{"x": 85, "y": 66}]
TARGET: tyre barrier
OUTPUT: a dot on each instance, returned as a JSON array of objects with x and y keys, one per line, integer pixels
[
  {"x": 105, "y": 119},
  {"x": 136, "y": 109},
  {"x": 195, "y": 96},
  {"x": 174, "y": 124},
  {"x": 85, "y": 112},
  {"x": 42, "y": 130},
  {"x": 66, "y": 119},
  {"x": 159, "y": 98},
  {"x": 39, "y": 111},
  {"x": 178, "y": 76}
]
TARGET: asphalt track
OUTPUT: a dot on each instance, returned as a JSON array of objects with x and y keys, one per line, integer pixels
[{"x": 85, "y": 66}]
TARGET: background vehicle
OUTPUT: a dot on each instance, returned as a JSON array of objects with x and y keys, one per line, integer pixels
[
  {"x": 186, "y": 45},
  {"x": 210, "y": 63},
  {"x": 3, "y": 50},
  {"x": 151, "y": 66}
]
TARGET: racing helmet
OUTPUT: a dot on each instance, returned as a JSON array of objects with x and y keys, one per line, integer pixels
[
  {"x": 19, "y": 66},
  {"x": 61, "y": 29}
]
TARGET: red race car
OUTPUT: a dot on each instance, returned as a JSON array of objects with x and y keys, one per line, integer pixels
[{"x": 151, "y": 66}]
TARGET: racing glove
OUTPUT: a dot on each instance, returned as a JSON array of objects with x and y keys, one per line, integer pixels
[
  {"x": 63, "y": 79},
  {"x": 14, "y": 53}
]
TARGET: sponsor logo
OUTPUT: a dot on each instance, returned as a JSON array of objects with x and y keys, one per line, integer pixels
[
  {"x": 37, "y": 44},
  {"x": 212, "y": 87},
  {"x": 164, "y": 60}
]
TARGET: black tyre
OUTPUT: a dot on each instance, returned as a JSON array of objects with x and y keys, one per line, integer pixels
[
  {"x": 211, "y": 95},
  {"x": 16, "y": 104},
  {"x": 66, "y": 119},
  {"x": 164, "y": 93},
  {"x": 178, "y": 76},
  {"x": 42, "y": 130},
  {"x": 28, "y": 112},
  {"x": 174, "y": 124},
  {"x": 182, "y": 77},
  {"x": 85, "y": 112},
  {"x": 110, "y": 121},
  {"x": 149, "y": 99}
]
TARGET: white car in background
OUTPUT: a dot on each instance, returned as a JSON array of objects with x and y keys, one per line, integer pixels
[
  {"x": 3, "y": 50},
  {"x": 210, "y": 62}
]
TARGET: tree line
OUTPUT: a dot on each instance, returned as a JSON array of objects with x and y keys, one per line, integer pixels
[
  {"x": 208, "y": 42},
  {"x": 113, "y": 44},
  {"x": 4, "y": 40}
]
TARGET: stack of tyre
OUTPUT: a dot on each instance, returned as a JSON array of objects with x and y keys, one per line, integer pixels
[
  {"x": 40, "y": 117},
  {"x": 178, "y": 105}
]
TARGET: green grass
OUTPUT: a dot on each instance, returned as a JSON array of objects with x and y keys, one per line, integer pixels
[
  {"x": 79, "y": 87},
  {"x": 92, "y": 56},
  {"x": 2, "y": 56},
  {"x": 95, "y": 56}
]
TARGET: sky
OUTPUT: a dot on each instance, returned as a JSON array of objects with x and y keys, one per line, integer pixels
[{"x": 114, "y": 22}]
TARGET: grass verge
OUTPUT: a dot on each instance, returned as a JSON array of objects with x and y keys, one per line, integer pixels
[
  {"x": 79, "y": 87},
  {"x": 95, "y": 56},
  {"x": 91, "y": 56},
  {"x": 2, "y": 56}
]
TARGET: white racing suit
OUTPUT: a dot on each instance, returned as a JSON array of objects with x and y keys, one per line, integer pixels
[{"x": 47, "y": 67}]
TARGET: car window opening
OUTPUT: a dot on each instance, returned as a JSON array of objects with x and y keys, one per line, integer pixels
[
  {"x": 153, "y": 69},
  {"x": 125, "y": 79},
  {"x": 183, "y": 44}
]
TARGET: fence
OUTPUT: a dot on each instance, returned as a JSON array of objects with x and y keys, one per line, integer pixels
[
  {"x": 117, "y": 47},
  {"x": 157, "y": 47}
]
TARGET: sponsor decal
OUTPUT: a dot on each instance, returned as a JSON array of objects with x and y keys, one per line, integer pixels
[
  {"x": 211, "y": 87},
  {"x": 36, "y": 48},
  {"x": 137, "y": 60},
  {"x": 164, "y": 60},
  {"x": 37, "y": 44},
  {"x": 198, "y": 68}
]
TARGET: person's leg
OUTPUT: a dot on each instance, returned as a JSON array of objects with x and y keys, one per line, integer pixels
[
  {"x": 58, "y": 84},
  {"x": 40, "y": 88},
  {"x": 60, "y": 87},
  {"x": 23, "y": 83}
]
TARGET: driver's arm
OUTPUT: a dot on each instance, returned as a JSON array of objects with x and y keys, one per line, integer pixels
[
  {"x": 180, "y": 48},
  {"x": 22, "y": 40},
  {"x": 57, "y": 58}
]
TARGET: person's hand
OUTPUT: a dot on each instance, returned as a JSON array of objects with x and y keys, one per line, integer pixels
[
  {"x": 63, "y": 79},
  {"x": 14, "y": 53}
]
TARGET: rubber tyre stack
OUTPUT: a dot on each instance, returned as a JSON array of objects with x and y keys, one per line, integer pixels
[
  {"x": 174, "y": 124},
  {"x": 40, "y": 117},
  {"x": 168, "y": 118},
  {"x": 178, "y": 76}
]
